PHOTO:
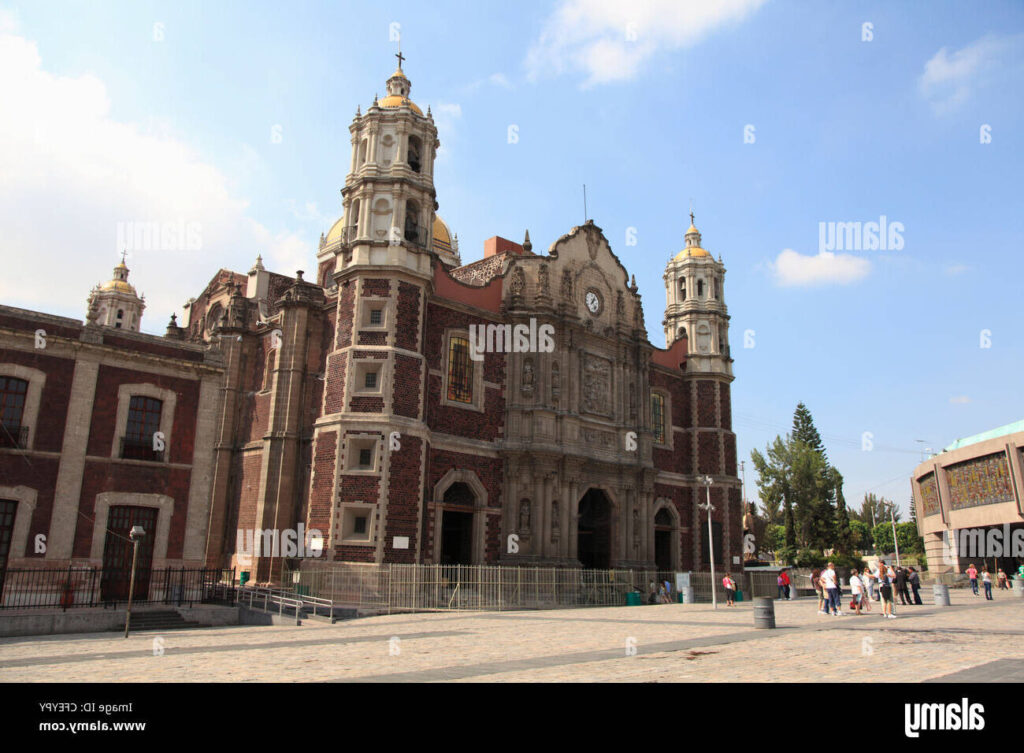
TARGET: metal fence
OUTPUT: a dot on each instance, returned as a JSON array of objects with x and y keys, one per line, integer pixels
[
  {"x": 426, "y": 587},
  {"x": 66, "y": 588}
]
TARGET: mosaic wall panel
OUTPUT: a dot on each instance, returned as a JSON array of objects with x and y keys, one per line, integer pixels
[
  {"x": 929, "y": 495},
  {"x": 982, "y": 481}
]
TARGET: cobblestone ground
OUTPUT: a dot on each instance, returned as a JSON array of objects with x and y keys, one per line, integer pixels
[{"x": 665, "y": 643}]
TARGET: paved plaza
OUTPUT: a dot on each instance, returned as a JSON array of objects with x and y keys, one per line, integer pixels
[{"x": 664, "y": 643}]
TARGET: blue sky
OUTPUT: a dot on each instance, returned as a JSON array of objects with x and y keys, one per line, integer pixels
[{"x": 133, "y": 111}]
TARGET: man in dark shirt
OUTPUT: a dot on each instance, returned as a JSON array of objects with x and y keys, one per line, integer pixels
[
  {"x": 901, "y": 586},
  {"x": 915, "y": 585}
]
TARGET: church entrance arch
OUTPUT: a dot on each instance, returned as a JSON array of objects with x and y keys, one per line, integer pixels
[{"x": 594, "y": 530}]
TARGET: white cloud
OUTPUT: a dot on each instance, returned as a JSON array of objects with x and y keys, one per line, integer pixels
[
  {"x": 792, "y": 269},
  {"x": 610, "y": 40},
  {"x": 960, "y": 400},
  {"x": 500, "y": 79},
  {"x": 950, "y": 78},
  {"x": 72, "y": 175},
  {"x": 956, "y": 269}
]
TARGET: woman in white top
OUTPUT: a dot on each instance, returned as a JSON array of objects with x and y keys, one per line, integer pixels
[{"x": 856, "y": 590}]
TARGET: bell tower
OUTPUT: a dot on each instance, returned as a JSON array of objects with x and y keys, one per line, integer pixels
[
  {"x": 115, "y": 303},
  {"x": 389, "y": 198},
  {"x": 695, "y": 306}
]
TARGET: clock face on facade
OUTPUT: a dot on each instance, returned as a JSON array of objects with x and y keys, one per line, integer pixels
[{"x": 593, "y": 301}]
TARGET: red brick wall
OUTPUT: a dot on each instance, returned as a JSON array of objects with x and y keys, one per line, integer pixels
[
  {"x": 104, "y": 414},
  {"x": 335, "y": 384},
  {"x": 408, "y": 384},
  {"x": 408, "y": 320},
  {"x": 54, "y": 401},
  {"x": 706, "y": 403},
  {"x": 106, "y": 476},
  {"x": 726, "y": 405},
  {"x": 39, "y": 473},
  {"x": 248, "y": 491},
  {"x": 707, "y": 452},
  {"x": 404, "y": 495},
  {"x": 321, "y": 498},
  {"x": 373, "y": 338},
  {"x": 376, "y": 287},
  {"x": 363, "y": 404},
  {"x": 346, "y": 308}
]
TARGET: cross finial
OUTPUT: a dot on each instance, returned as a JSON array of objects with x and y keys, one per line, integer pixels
[
  {"x": 691, "y": 217},
  {"x": 124, "y": 254},
  {"x": 400, "y": 57}
]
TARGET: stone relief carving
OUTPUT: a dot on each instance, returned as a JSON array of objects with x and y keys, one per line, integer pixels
[
  {"x": 518, "y": 281},
  {"x": 597, "y": 385},
  {"x": 527, "y": 380},
  {"x": 567, "y": 284},
  {"x": 543, "y": 279},
  {"x": 524, "y": 516}
]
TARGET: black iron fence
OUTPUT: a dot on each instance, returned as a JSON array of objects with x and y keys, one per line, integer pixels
[
  {"x": 134, "y": 448},
  {"x": 65, "y": 588}
]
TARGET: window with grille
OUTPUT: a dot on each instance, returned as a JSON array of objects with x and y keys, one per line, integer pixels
[
  {"x": 460, "y": 371},
  {"x": 365, "y": 458},
  {"x": 376, "y": 316},
  {"x": 658, "y": 417},
  {"x": 371, "y": 380},
  {"x": 12, "y": 409},
  {"x": 143, "y": 422}
]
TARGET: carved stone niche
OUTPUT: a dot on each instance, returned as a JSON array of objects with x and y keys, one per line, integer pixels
[
  {"x": 597, "y": 385},
  {"x": 528, "y": 377}
]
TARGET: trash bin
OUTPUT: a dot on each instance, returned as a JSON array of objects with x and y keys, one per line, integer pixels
[
  {"x": 739, "y": 595},
  {"x": 686, "y": 594},
  {"x": 1018, "y": 587},
  {"x": 764, "y": 612},
  {"x": 633, "y": 599},
  {"x": 941, "y": 594},
  {"x": 302, "y": 590},
  {"x": 243, "y": 577}
]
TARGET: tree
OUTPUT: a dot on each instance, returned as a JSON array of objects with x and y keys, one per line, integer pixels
[
  {"x": 861, "y": 535},
  {"x": 844, "y": 536},
  {"x": 775, "y": 537},
  {"x": 876, "y": 509},
  {"x": 906, "y": 535},
  {"x": 805, "y": 431}
]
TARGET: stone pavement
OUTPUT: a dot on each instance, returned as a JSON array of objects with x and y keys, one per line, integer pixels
[{"x": 664, "y": 643}]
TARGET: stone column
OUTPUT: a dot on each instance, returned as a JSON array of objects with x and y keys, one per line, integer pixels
[{"x": 537, "y": 524}]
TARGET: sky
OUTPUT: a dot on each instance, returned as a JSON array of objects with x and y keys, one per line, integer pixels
[{"x": 227, "y": 122}]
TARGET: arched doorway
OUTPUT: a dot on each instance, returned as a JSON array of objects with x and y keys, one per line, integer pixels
[
  {"x": 593, "y": 532},
  {"x": 457, "y": 525},
  {"x": 663, "y": 541}
]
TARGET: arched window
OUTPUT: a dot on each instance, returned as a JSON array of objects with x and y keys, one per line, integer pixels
[
  {"x": 716, "y": 289},
  {"x": 120, "y": 318},
  {"x": 700, "y": 289},
  {"x": 412, "y": 223},
  {"x": 353, "y": 224},
  {"x": 658, "y": 417},
  {"x": 460, "y": 371},
  {"x": 682, "y": 289},
  {"x": 415, "y": 150}
]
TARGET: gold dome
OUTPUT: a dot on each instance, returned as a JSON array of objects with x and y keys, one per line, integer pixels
[
  {"x": 395, "y": 100},
  {"x": 119, "y": 283},
  {"x": 692, "y": 251},
  {"x": 442, "y": 236},
  {"x": 692, "y": 229},
  {"x": 334, "y": 234}
]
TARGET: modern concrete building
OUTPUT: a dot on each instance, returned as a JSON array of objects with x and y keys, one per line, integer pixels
[{"x": 970, "y": 496}]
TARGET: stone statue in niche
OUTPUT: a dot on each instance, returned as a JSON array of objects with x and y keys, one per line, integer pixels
[
  {"x": 620, "y": 305},
  {"x": 518, "y": 281},
  {"x": 542, "y": 277},
  {"x": 527, "y": 386},
  {"x": 567, "y": 284},
  {"x": 596, "y": 385},
  {"x": 636, "y": 527},
  {"x": 555, "y": 521},
  {"x": 524, "y": 516}
]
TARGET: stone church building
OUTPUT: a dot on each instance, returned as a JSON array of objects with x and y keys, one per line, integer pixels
[{"x": 357, "y": 404}]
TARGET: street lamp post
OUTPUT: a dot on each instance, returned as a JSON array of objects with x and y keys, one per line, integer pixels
[
  {"x": 135, "y": 535},
  {"x": 706, "y": 481},
  {"x": 895, "y": 543}
]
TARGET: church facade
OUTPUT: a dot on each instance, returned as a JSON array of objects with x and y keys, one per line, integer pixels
[{"x": 404, "y": 407}]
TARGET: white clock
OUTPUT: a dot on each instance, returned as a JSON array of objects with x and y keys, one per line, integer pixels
[{"x": 593, "y": 301}]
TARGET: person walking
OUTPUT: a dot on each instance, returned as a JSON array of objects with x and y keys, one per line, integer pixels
[
  {"x": 901, "y": 587},
  {"x": 972, "y": 574},
  {"x": 816, "y": 583},
  {"x": 885, "y": 591},
  {"x": 856, "y": 590},
  {"x": 915, "y": 586},
  {"x": 1001, "y": 576},
  {"x": 869, "y": 587},
  {"x": 783, "y": 583},
  {"x": 830, "y": 583},
  {"x": 986, "y": 581},
  {"x": 730, "y": 589}
]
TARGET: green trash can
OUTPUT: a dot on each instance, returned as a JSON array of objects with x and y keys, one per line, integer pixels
[
  {"x": 243, "y": 577},
  {"x": 739, "y": 595},
  {"x": 633, "y": 599},
  {"x": 679, "y": 597},
  {"x": 302, "y": 590}
]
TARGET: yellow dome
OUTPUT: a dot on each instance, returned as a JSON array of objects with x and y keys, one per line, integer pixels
[
  {"x": 442, "y": 236},
  {"x": 395, "y": 100},
  {"x": 118, "y": 285},
  {"x": 334, "y": 234},
  {"x": 693, "y": 251},
  {"x": 692, "y": 229}
]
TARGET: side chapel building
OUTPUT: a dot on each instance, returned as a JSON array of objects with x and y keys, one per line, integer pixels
[{"x": 352, "y": 404}]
